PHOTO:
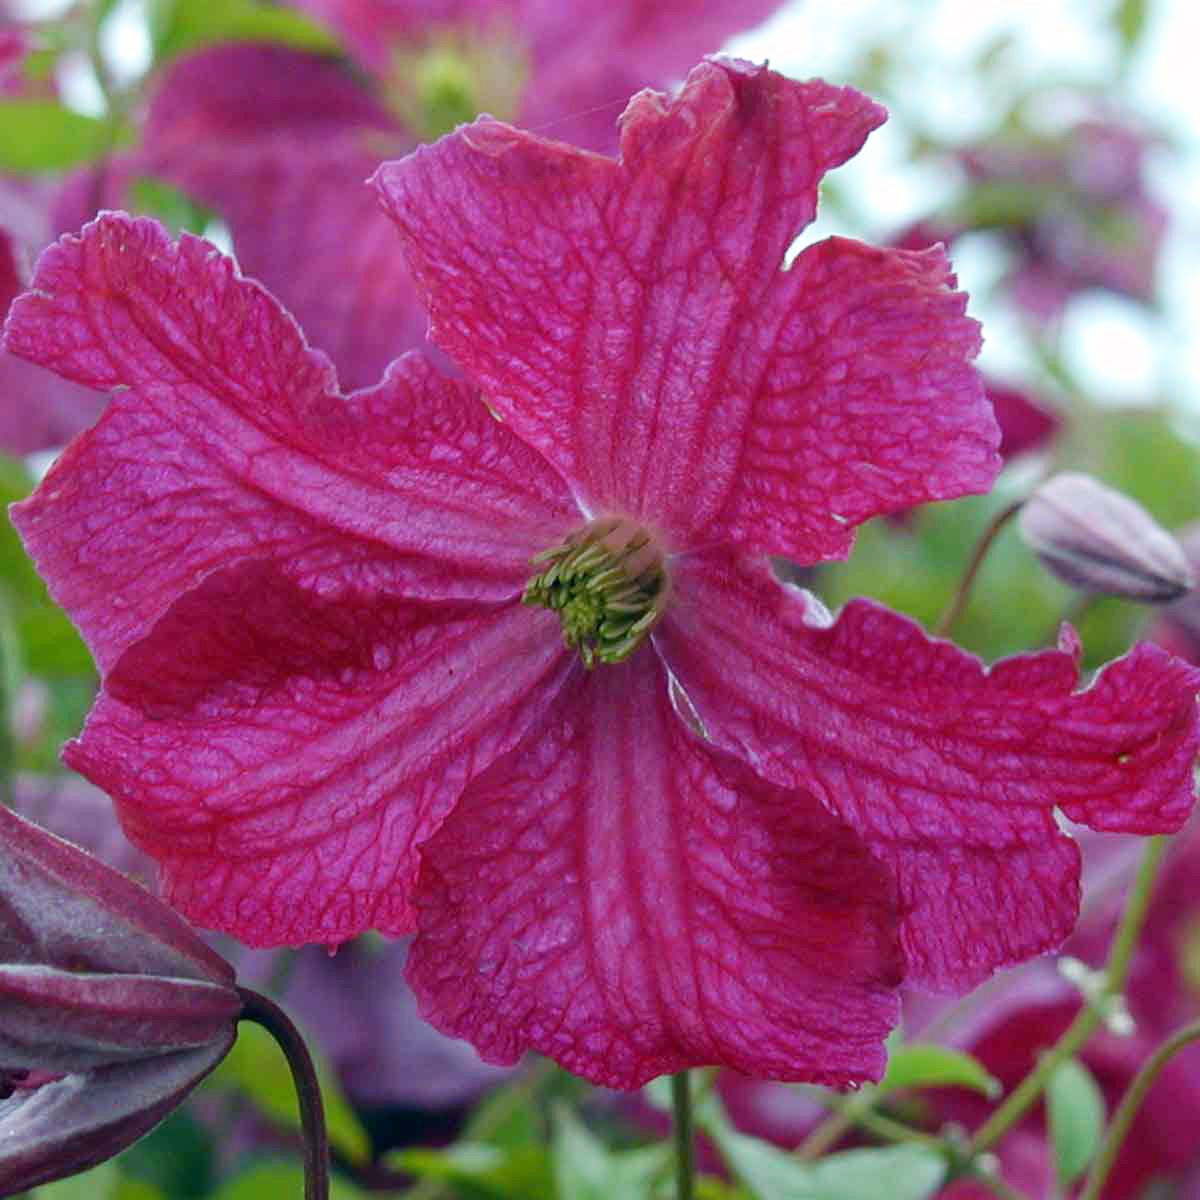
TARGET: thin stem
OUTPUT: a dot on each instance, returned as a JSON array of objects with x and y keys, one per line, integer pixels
[
  {"x": 826, "y": 1135},
  {"x": 958, "y": 601},
  {"x": 684, "y": 1137},
  {"x": 257, "y": 1008},
  {"x": 1128, "y": 1108},
  {"x": 997, "y": 1186},
  {"x": 858, "y": 1110},
  {"x": 1026, "y": 1093}
]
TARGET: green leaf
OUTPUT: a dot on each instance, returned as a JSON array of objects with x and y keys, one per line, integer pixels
[
  {"x": 282, "y": 1179},
  {"x": 890, "y": 1173},
  {"x": 925, "y": 1065},
  {"x": 482, "y": 1172},
  {"x": 1075, "y": 1106},
  {"x": 257, "y": 1067},
  {"x": 1129, "y": 20},
  {"x": 39, "y": 135},
  {"x": 47, "y": 643},
  {"x": 507, "y": 1117},
  {"x": 176, "y": 1158},
  {"x": 585, "y": 1169},
  {"x": 100, "y": 1183},
  {"x": 907, "y": 1172},
  {"x": 182, "y": 25},
  {"x": 137, "y": 1189},
  {"x": 173, "y": 207}
]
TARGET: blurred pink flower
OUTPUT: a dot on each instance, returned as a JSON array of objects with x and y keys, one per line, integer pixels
[
  {"x": 325, "y": 706},
  {"x": 1026, "y": 422},
  {"x": 280, "y": 142}
]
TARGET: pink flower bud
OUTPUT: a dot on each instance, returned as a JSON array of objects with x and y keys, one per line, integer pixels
[
  {"x": 111, "y": 1008},
  {"x": 1099, "y": 540}
]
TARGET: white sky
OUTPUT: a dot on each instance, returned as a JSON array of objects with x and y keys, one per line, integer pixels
[{"x": 1118, "y": 352}]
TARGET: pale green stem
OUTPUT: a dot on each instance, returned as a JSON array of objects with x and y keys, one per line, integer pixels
[
  {"x": 1128, "y": 1108},
  {"x": 998, "y": 1187},
  {"x": 1026, "y": 1093},
  {"x": 858, "y": 1110},
  {"x": 958, "y": 601},
  {"x": 684, "y": 1136}
]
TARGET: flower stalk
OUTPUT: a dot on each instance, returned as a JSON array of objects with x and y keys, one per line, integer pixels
[
  {"x": 684, "y": 1135},
  {"x": 275, "y": 1021},
  {"x": 1116, "y": 969},
  {"x": 1131, "y": 1102},
  {"x": 958, "y": 601}
]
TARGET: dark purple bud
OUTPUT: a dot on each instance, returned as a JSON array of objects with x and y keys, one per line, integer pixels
[
  {"x": 1179, "y": 628},
  {"x": 111, "y": 1008},
  {"x": 1099, "y": 540},
  {"x": 74, "y": 1122}
]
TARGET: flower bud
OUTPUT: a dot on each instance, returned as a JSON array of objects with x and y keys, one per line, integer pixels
[
  {"x": 1099, "y": 540},
  {"x": 111, "y": 1008}
]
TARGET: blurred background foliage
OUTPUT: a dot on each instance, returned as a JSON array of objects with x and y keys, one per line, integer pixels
[{"x": 1054, "y": 146}]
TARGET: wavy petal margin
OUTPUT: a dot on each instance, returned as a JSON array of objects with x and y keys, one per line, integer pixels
[{"x": 950, "y": 772}]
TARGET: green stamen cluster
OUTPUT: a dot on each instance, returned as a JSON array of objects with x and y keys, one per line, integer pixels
[
  {"x": 607, "y": 585},
  {"x": 446, "y": 93}
]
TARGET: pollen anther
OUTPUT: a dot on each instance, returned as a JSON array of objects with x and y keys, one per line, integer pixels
[{"x": 608, "y": 585}]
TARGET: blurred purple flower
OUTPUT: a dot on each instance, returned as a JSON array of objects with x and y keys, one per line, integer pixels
[
  {"x": 79, "y": 812},
  {"x": 359, "y": 1009},
  {"x": 1074, "y": 211}
]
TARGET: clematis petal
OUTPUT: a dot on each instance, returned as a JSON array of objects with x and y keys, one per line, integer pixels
[
  {"x": 282, "y": 752},
  {"x": 80, "y": 1120},
  {"x": 280, "y": 144},
  {"x": 233, "y": 442},
  {"x": 630, "y": 902},
  {"x": 632, "y": 318},
  {"x": 950, "y": 772}
]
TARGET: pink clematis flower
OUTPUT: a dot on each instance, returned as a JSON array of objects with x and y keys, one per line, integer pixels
[{"x": 528, "y": 686}]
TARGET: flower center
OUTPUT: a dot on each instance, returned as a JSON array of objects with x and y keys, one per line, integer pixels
[
  {"x": 608, "y": 585},
  {"x": 454, "y": 75}
]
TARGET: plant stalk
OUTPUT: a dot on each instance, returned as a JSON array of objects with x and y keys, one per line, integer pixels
[
  {"x": 1116, "y": 969},
  {"x": 958, "y": 601},
  {"x": 268, "y": 1014},
  {"x": 684, "y": 1135},
  {"x": 1131, "y": 1101}
]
